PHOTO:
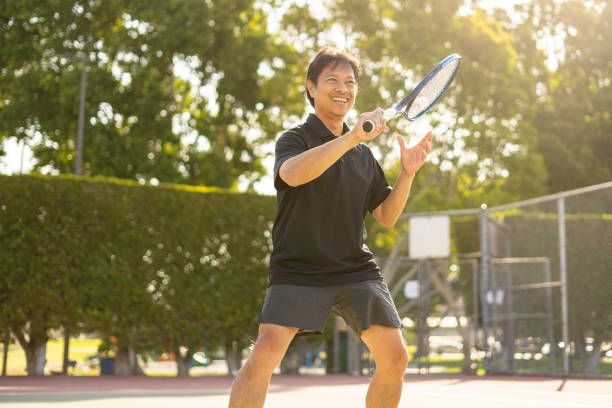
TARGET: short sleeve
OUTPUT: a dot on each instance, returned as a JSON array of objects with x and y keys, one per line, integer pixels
[
  {"x": 288, "y": 145},
  {"x": 379, "y": 188}
]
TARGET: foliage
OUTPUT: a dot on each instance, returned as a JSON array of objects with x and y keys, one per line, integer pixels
[
  {"x": 145, "y": 267},
  {"x": 188, "y": 91},
  {"x": 479, "y": 149},
  {"x": 574, "y": 119},
  {"x": 174, "y": 88}
]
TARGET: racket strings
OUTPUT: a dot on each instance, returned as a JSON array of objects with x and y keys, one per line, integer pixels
[{"x": 432, "y": 90}]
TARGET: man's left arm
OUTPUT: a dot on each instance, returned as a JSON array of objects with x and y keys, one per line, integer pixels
[{"x": 412, "y": 159}]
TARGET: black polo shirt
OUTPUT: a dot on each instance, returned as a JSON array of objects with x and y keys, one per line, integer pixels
[{"x": 319, "y": 234}]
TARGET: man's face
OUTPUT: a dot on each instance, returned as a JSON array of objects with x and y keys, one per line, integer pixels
[{"x": 335, "y": 90}]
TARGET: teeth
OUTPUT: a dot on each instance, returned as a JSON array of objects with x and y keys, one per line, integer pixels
[{"x": 340, "y": 100}]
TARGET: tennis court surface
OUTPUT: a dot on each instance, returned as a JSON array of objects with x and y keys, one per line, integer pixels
[{"x": 303, "y": 391}]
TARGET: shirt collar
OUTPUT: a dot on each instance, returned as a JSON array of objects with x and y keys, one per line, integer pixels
[{"x": 320, "y": 129}]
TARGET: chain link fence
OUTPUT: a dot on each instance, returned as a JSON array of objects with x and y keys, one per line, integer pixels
[{"x": 528, "y": 285}]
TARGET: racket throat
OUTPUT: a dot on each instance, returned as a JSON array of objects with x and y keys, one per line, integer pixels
[
  {"x": 391, "y": 113},
  {"x": 402, "y": 107}
]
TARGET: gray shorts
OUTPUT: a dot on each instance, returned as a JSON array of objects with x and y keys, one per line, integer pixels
[{"x": 360, "y": 304}]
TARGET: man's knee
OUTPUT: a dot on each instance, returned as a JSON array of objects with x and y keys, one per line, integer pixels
[
  {"x": 395, "y": 361},
  {"x": 267, "y": 353}
]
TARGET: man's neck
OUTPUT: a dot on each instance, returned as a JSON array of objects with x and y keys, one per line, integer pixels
[{"x": 334, "y": 124}]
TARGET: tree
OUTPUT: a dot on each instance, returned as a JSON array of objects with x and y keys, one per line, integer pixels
[
  {"x": 175, "y": 90},
  {"x": 574, "y": 118},
  {"x": 481, "y": 144}
]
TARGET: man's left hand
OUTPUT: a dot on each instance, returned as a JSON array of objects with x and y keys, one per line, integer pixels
[{"x": 414, "y": 157}]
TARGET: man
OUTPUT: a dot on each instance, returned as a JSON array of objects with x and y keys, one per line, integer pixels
[{"x": 327, "y": 179}]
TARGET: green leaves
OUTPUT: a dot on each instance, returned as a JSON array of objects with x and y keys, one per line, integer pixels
[
  {"x": 141, "y": 119},
  {"x": 149, "y": 267},
  {"x": 574, "y": 118}
]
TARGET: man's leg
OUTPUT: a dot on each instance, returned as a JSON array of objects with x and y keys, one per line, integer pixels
[
  {"x": 387, "y": 347},
  {"x": 251, "y": 384}
]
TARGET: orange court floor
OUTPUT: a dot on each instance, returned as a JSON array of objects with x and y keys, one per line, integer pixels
[{"x": 300, "y": 391}]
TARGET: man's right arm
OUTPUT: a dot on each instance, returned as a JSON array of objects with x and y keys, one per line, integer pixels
[{"x": 310, "y": 164}]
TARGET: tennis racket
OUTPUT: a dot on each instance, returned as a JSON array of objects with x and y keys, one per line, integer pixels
[{"x": 425, "y": 94}]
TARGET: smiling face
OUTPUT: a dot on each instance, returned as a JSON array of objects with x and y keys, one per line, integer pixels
[{"x": 334, "y": 91}]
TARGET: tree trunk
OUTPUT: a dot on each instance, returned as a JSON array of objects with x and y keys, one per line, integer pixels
[
  {"x": 36, "y": 358},
  {"x": 126, "y": 362},
  {"x": 579, "y": 355},
  {"x": 66, "y": 351},
  {"x": 122, "y": 361},
  {"x": 135, "y": 365},
  {"x": 183, "y": 362},
  {"x": 590, "y": 360},
  {"x": 233, "y": 357},
  {"x": 35, "y": 348},
  {"x": 5, "y": 356},
  {"x": 183, "y": 365}
]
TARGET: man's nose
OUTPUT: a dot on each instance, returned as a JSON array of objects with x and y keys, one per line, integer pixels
[{"x": 343, "y": 87}]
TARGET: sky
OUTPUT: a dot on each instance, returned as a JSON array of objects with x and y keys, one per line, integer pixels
[{"x": 19, "y": 157}]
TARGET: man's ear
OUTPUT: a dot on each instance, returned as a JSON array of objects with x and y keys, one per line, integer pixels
[{"x": 310, "y": 86}]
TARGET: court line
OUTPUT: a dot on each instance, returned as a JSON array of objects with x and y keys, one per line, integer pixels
[
  {"x": 507, "y": 400},
  {"x": 75, "y": 396},
  {"x": 561, "y": 393},
  {"x": 553, "y": 392}
]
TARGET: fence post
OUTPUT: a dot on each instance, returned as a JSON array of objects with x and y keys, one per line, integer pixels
[
  {"x": 551, "y": 319},
  {"x": 476, "y": 318},
  {"x": 336, "y": 346},
  {"x": 484, "y": 284},
  {"x": 563, "y": 270}
]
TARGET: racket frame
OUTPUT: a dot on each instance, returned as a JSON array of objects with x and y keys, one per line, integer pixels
[{"x": 404, "y": 105}]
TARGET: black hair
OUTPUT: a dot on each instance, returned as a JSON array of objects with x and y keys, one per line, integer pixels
[{"x": 329, "y": 56}]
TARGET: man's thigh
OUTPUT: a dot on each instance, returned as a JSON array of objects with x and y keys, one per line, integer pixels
[{"x": 304, "y": 307}]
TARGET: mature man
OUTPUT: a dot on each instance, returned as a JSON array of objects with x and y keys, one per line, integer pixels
[{"x": 327, "y": 180}]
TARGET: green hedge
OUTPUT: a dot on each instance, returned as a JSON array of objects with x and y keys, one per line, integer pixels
[{"x": 148, "y": 267}]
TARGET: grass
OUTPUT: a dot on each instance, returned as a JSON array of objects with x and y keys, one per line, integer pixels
[
  {"x": 80, "y": 349},
  {"x": 452, "y": 365}
]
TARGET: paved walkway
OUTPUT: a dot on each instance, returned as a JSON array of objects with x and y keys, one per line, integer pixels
[{"x": 303, "y": 391}]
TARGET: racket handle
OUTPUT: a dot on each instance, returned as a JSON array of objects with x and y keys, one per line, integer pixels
[{"x": 367, "y": 126}]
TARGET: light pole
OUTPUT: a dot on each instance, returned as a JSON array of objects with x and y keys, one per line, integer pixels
[
  {"x": 79, "y": 153},
  {"x": 77, "y": 164}
]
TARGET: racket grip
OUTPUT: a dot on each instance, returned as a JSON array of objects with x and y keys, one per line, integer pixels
[{"x": 367, "y": 126}]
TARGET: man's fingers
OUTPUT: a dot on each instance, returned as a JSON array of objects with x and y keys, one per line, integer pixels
[
  {"x": 426, "y": 141},
  {"x": 377, "y": 118},
  {"x": 401, "y": 142},
  {"x": 427, "y": 138}
]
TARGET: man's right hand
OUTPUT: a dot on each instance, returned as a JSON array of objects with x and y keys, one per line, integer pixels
[{"x": 377, "y": 117}]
